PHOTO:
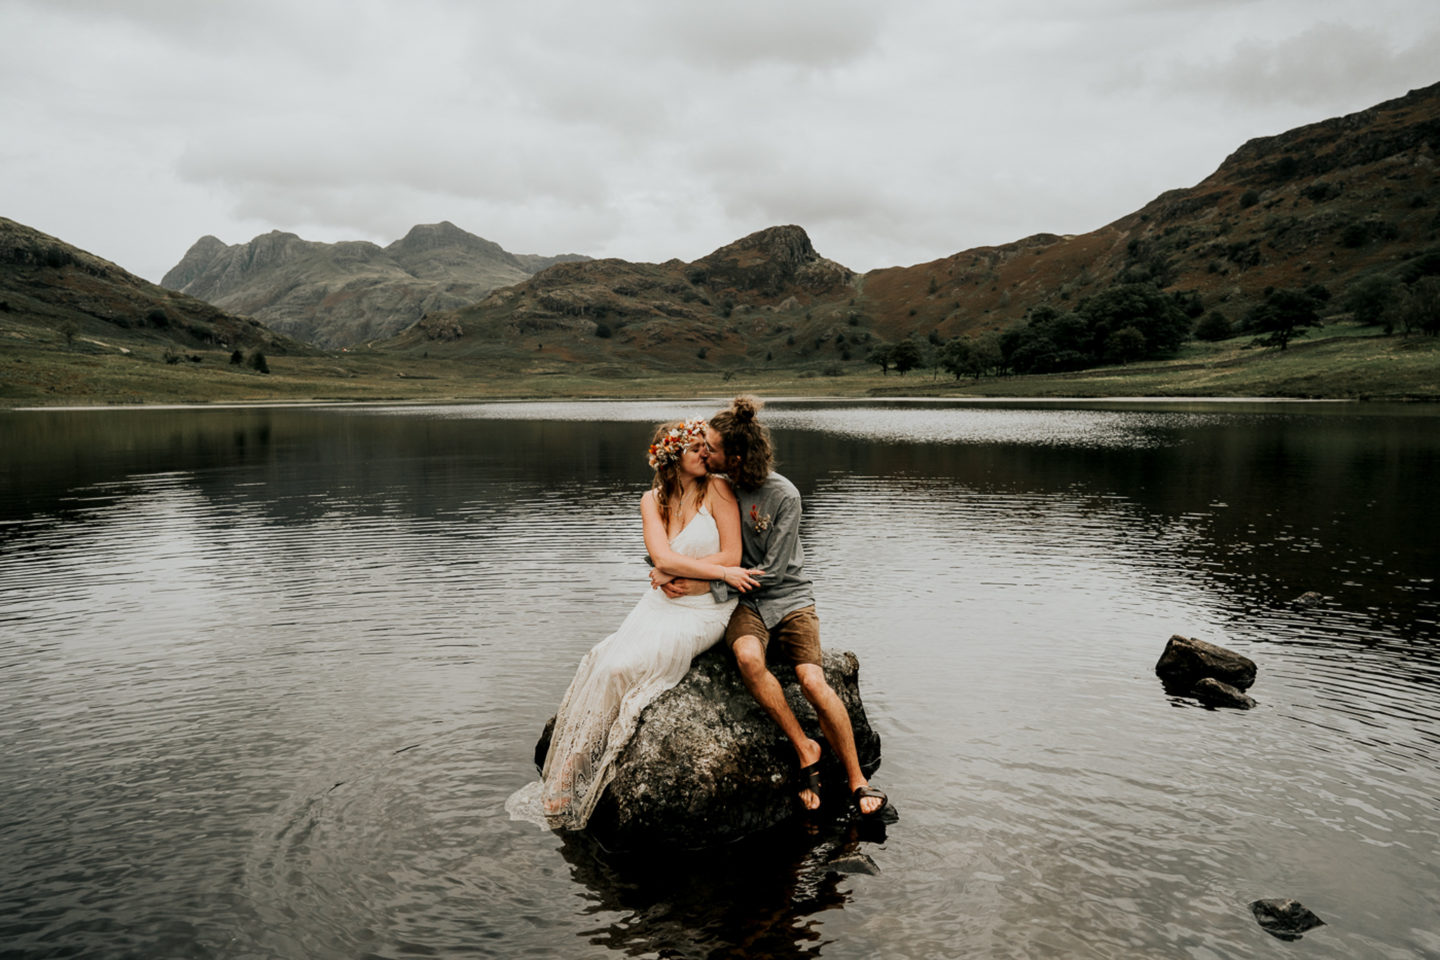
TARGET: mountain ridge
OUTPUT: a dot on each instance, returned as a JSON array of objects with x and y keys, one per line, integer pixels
[
  {"x": 352, "y": 291},
  {"x": 47, "y": 285}
]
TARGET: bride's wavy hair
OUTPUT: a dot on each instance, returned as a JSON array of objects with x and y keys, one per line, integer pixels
[
  {"x": 749, "y": 458},
  {"x": 666, "y": 482}
]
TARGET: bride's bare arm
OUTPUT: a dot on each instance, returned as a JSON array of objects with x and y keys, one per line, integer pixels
[
  {"x": 725, "y": 508},
  {"x": 666, "y": 560}
]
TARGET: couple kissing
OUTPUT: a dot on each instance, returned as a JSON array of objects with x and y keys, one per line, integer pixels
[{"x": 727, "y": 564}]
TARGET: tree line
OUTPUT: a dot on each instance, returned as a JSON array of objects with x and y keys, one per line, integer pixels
[{"x": 1139, "y": 321}]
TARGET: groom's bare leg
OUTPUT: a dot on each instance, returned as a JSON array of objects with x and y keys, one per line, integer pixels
[
  {"x": 750, "y": 656},
  {"x": 835, "y": 722}
]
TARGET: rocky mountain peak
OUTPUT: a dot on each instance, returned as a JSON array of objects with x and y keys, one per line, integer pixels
[
  {"x": 787, "y": 244},
  {"x": 426, "y": 237},
  {"x": 768, "y": 261},
  {"x": 200, "y": 255}
]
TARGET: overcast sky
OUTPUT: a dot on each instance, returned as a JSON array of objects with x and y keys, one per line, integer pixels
[{"x": 895, "y": 132}]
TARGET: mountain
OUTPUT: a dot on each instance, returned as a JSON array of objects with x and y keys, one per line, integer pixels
[
  {"x": 667, "y": 314},
  {"x": 340, "y": 294},
  {"x": 1326, "y": 204},
  {"x": 50, "y": 289},
  {"x": 1324, "y": 207}
]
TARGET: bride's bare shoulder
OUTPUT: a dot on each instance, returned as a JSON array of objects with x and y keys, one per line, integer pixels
[{"x": 721, "y": 490}]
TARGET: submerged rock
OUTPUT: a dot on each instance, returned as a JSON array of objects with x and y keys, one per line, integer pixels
[
  {"x": 707, "y": 765},
  {"x": 1307, "y": 599},
  {"x": 861, "y": 863},
  {"x": 1284, "y": 919},
  {"x": 1187, "y": 661},
  {"x": 1213, "y": 693}
]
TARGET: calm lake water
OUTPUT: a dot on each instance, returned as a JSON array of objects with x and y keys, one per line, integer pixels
[{"x": 269, "y": 674}]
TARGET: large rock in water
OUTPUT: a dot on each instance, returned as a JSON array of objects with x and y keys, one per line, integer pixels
[
  {"x": 1186, "y": 661},
  {"x": 707, "y": 765}
]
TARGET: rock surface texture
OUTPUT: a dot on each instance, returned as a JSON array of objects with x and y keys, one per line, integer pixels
[
  {"x": 707, "y": 765},
  {"x": 1214, "y": 693},
  {"x": 1284, "y": 919},
  {"x": 1186, "y": 661}
]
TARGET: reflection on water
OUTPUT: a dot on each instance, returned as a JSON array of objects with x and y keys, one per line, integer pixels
[{"x": 269, "y": 674}]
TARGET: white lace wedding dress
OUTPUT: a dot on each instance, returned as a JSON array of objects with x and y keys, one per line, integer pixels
[{"x": 617, "y": 679}]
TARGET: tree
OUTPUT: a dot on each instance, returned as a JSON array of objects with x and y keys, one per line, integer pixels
[
  {"x": 1368, "y": 299},
  {"x": 257, "y": 362},
  {"x": 1285, "y": 314},
  {"x": 1418, "y": 308},
  {"x": 985, "y": 354},
  {"x": 236, "y": 358},
  {"x": 1214, "y": 326},
  {"x": 906, "y": 356},
  {"x": 1124, "y": 345},
  {"x": 1140, "y": 305},
  {"x": 884, "y": 356},
  {"x": 956, "y": 357}
]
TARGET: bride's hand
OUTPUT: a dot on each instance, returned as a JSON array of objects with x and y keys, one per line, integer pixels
[
  {"x": 658, "y": 579},
  {"x": 742, "y": 579}
]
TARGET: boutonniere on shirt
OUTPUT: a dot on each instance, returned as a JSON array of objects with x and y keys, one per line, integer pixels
[{"x": 760, "y": 523}]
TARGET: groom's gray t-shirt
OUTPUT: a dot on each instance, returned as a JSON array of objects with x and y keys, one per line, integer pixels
[{"x": 770, "y": 539}]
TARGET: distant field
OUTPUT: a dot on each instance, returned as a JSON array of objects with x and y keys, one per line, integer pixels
[{"x": 1345, "y": 362}]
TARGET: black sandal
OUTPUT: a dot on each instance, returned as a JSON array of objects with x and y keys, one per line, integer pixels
[
  {"x": 810, "y": 778},
  {"x": 868, "y": 791}
]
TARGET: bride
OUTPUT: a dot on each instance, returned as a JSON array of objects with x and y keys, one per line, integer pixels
[{"x": 692, "y": 529}]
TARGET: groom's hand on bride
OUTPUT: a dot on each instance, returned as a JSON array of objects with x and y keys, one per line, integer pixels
[{"x": 685, "y": 587}]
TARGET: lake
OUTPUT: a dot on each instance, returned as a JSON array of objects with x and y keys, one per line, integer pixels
[{"x": 269, "y": 674}]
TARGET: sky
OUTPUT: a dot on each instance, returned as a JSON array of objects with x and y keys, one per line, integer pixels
[{"x": 894, "y": 131}]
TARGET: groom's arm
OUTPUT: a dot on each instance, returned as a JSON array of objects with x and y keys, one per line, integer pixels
[{"x": 685, "y": 587}]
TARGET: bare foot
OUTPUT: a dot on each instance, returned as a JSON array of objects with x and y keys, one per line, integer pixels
[{"x": 810, "y": 754}]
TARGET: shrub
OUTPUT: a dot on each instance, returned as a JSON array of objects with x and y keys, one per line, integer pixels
[
  {"x": 258, "y": 363},
  {"x": 1369, "y": 298},
  {"x": 1124, "y": 345},
  {"x": 603, "y": 331},
  {"x": 906, "y": 356},
  {"x": 1354, "y": 235},
  {"x": 236, "y": 358},
  {"x": 1214, "y": 326},
  {"x": 1249, "y": 198}
]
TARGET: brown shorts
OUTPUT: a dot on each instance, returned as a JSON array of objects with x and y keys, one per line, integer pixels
[{"x": 797, "y": 635}]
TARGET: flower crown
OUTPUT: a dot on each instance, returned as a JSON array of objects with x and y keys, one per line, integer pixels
[{"x": 668, "y": 448}]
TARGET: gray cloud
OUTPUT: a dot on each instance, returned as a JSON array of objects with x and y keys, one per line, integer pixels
[
  {"x": 1325, "y": 63},
  {"x": 895, "y": 133}
]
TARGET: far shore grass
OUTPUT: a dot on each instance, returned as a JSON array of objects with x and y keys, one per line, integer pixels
[{"x": 1344, "y": 362}]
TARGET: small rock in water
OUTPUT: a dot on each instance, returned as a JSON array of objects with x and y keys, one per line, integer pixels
[
  {"x": 1213, "y": 693},
  {"x": 1307, "y": 599},
  {"x": 1285, "y": 919},
  {"x": 854, "y": 863}
]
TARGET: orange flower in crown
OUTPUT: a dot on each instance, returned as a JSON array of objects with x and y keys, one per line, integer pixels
[{"x": 668, "y": 448}]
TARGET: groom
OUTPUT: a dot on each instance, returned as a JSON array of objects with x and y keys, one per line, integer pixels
[{"x": 782, "y": 609}]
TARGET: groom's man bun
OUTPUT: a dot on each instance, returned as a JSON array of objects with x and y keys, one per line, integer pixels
[
  {"x": 747, "y": 442},
  {"x": 745, "y": 408}
]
